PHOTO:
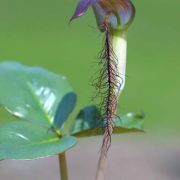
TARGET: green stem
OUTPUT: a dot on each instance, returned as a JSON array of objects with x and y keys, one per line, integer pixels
[{"x": 63, "y": 166}]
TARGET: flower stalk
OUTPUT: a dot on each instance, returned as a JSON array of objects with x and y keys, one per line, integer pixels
[{"x": 63, "y": 166}]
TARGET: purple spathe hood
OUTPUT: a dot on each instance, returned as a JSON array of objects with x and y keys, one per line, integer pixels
[{"x": 118, "y": 19}]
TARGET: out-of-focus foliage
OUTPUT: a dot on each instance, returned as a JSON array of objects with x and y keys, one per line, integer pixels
[{"x": 89, "y": 123}]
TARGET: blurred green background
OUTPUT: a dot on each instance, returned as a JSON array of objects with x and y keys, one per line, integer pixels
[{"x": 37, "y": 32}]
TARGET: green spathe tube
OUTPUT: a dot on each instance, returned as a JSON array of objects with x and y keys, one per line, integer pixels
[{"x": 118, "y": 22}]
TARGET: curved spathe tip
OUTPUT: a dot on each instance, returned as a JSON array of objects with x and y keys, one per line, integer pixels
[{"x": 82, "y": 7}]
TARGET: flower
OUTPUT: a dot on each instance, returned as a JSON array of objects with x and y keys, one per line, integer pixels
[{"x": 118, "y": 14}]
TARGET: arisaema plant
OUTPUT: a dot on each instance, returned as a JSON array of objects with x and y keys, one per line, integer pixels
[{"x": 42, "y": 101}]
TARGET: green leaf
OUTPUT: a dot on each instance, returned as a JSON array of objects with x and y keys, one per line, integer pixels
[
  {"x": 64, "y": 109},
  {"x": 31, "y": 93},
  {"x": 23, "y": 140},
  {"x": 130, "y": 122},
  {"x": 88, "y": 123},
  {"x": 45, "y": 101}
]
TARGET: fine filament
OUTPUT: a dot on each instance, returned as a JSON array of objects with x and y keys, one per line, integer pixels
[{"x": 107, "y": 86}]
